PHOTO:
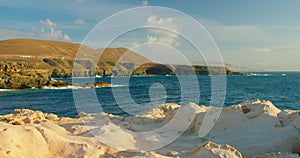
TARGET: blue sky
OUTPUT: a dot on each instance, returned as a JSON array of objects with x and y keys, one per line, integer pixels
[{"x": 256, "y": 34}]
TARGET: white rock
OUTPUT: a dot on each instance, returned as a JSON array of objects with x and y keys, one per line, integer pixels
[
  {"x": 169, "y": 130},
  {"x": 213, "y": 150}
]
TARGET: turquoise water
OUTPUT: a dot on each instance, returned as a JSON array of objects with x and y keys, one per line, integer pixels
[{"x": 283, "y": 89}]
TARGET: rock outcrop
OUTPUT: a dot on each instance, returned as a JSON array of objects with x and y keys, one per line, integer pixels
[
  {"x": 27, "y": 63},
  {"x": 33, "y": 73},
  {"x": 214, "y": 150},
  {"x": 254, "y": 129}
]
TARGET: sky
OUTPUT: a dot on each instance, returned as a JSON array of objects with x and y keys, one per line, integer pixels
[{"x": 253, "y": 34}]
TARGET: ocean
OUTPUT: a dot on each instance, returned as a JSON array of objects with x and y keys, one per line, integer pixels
[{"x": 131, "y": 95}]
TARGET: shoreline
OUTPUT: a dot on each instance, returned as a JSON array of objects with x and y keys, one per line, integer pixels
[
  {"x": 244, "y": 130},
  {"x": 69, "y": 83}
]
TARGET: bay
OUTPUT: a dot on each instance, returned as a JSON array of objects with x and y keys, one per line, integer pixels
[{"x": 130, "y": 95}]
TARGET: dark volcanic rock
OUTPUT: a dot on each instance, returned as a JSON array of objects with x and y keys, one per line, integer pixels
[
  {"x": 58, "y": 84},
  {"x": 159, "y": 69},
  {"x": 97, "y": 84}
]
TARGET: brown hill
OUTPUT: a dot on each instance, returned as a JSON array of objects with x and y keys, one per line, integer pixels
[
  {"x": 32, "y": 48},
  {"x": 57, "y": 59},
  {"x": 121, "y": 55},
  {"x": 38, "y": 48}
]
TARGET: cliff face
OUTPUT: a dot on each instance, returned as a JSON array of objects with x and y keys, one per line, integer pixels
[
  {"x": 26, "y": 63},
  {"x": 85, "y": 69},
  {"x": 23, "y": 73}
]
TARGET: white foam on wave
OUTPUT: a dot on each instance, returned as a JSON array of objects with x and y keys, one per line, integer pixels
[
  {"x": 258, "y": 74},
  {"x": 80, "y": 87},
  {"x": 113, "y": 86},
  {"x": 69, "y": 87},
  {"x": 7, "y": 90}
]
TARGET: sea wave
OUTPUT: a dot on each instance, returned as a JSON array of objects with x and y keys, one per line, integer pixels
[
  {"x": 118, "y": 86},
  {"x": 69, "y": 87},
  {"x": 80, "y": 87},
  {"x": 7, "y": 90},
  {"x": 266, "y": 74},
  {"x": 258, "y": 74}
]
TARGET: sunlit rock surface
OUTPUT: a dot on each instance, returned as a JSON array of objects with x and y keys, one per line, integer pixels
[{"x": 252, "y": 129}]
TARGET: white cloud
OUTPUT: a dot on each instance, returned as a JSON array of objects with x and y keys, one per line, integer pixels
[
  {"x": 163, "y": 39},
  {"x": 66, "y": 37},
  {"x": 79, "y": 21},
  {"x": 46, "y": 30},
  {"x": 151, "y": 39},
  {"x": 166, "y": 23},
  {"x": 165, "y": 29},
  {"x": 168, "y": 40},
  {"x": 48, "y": 22},
  {"x": 263, "y": 50},
  {"x": 49, "y": 31},
  {"x": 145, "y": 2}
]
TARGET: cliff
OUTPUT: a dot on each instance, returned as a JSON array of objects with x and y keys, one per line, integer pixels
[{"x": 28, "y": 63}]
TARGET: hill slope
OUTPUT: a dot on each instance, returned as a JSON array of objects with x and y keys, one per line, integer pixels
[
  {"x": 26, "y": 48},
  {"x": 24, "y": 62},
  {"x": 121, "y": 55},
  {"x": 38, "y": 48}
]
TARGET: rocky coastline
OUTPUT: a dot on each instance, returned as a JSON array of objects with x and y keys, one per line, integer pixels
[
  {"x": 35, "y": 73},
  {"x": 255, "y": 129},
  {"x": 26, "y": 74},
  {"x": 30, "y": 63}
]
